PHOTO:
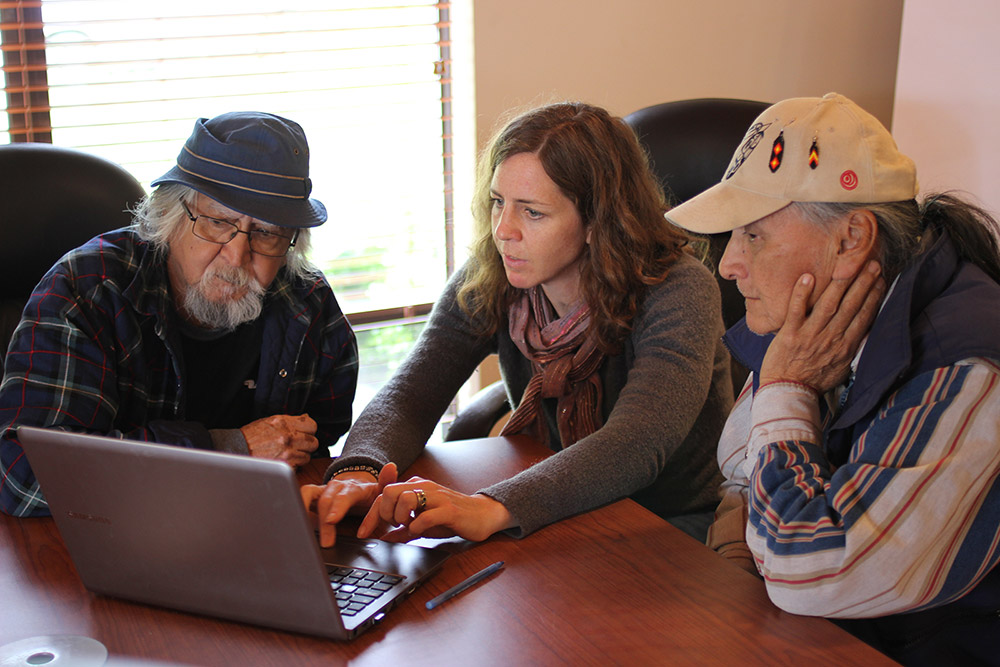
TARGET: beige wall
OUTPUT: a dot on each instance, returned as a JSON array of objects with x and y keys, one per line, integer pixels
[
  {"x": 947, "y": 103},
  {"x": 627, "y": 54}
]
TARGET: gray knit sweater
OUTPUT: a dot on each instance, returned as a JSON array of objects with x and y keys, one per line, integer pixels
[{"x": 666, "y": 397}]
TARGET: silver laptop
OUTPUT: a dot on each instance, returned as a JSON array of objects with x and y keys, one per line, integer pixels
[{"x": 214, "y": 534}]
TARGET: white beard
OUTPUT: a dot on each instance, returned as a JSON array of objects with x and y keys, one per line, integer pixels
[{"x": 228, "y": 313}]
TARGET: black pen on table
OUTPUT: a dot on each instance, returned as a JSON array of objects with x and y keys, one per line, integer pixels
[{"x": 471, "y": 581}]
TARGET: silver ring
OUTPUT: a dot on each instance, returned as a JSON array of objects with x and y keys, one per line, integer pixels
[{"x": 421, "y": 501}]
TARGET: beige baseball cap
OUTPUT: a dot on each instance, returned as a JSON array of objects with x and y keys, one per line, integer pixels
[{"x": 804, "y": 149}]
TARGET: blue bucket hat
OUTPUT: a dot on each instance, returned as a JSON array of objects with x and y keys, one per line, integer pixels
[{"x": 252, "y": 162}]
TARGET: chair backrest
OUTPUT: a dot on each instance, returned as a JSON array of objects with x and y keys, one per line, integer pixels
[
  {"x": 690, "y": 144},
  {"x": 54, "y": 199}
]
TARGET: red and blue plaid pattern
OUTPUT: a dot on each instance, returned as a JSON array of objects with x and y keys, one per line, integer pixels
[{"x": 96, "y": 351}]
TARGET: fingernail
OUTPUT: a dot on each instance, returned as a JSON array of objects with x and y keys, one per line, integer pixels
[{"x": 874, "y": 268}]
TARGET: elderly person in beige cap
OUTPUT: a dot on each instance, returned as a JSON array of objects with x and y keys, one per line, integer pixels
[{"x": 862, "y": 458}]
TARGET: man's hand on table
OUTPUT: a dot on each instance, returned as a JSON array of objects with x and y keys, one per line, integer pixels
[{"x": 287, "y": 438}]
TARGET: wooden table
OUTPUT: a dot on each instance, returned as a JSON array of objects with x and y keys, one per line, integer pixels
[{"x": 616, "y": 585}]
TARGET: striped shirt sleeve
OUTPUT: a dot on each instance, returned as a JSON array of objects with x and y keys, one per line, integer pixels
[{"x": 910, "y": 521}]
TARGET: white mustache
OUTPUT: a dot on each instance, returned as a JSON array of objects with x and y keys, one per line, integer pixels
[
  {"x": 234, "y": 275},
  {"x": 228, "y": 313}
]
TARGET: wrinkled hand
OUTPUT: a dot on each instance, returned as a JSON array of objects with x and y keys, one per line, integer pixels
[
  {"x": 350, "y": 491},
  {"x": 282, "y": 437},
  {"x": 816, "y": 347},
  {"x": 447, "y": 513}
]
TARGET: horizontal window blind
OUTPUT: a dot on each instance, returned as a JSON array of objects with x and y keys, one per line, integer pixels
[{"x": 368, "y": 81}]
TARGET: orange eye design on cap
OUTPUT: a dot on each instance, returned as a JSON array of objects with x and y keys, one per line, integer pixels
[
  {"x": 813, "y": 155},
  {"x": 777, "y": 151}
]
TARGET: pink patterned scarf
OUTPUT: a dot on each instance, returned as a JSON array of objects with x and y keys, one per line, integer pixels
[{"x": 564, "y": 361}]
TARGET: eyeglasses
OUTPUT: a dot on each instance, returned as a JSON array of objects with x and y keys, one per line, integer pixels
[{"x": 262, "y": 241}]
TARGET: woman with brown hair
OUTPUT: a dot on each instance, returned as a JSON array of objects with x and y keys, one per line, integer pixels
[{"x": 608, "y": 337}]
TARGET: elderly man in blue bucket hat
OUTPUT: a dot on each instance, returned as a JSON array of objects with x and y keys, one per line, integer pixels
[{"x": 200, "y": 325}]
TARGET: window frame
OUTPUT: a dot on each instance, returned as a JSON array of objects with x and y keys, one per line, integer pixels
[{"x": 28, "y": 112}]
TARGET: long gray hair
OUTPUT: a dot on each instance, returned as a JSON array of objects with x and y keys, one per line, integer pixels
[
  {"x": 908, "y": 229},
  {"x": 159, "y": 216}
]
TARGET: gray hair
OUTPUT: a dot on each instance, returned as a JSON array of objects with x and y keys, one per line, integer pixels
[
  {"x": 908, "y": 229},
  {"x": 900, "y": 226},
  {"x": 160, "y": 216}
]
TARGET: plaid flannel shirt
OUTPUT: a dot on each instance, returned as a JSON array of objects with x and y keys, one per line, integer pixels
[{"x": 97, "y": 350}]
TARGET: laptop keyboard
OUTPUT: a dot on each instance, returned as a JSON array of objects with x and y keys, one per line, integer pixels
[{"x": 355, "y": 588}]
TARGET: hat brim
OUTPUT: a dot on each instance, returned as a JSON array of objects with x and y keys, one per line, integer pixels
[
  {"x": 722, "y": 208},
  {"x": 296, "y": 213}
]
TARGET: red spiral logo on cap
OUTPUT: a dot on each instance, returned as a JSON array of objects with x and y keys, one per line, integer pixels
[{"x": 848, "y": 180}]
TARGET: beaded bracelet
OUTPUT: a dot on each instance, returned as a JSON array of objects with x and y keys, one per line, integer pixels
[{"x": 368, "y": 469}]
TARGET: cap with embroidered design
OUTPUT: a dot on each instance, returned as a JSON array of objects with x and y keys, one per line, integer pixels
[{"x": 804, "y": 149}]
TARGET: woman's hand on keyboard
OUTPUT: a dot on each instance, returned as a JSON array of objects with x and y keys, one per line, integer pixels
[
  {"x": 422, "y": 508},
  {"x": 347, "y": 492}
]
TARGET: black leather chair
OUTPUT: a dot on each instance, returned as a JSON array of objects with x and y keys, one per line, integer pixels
[
  {"x": 481, "y": 414},
  {"x": 690, "y": 144},
  {"x": 53, "y": 199}
]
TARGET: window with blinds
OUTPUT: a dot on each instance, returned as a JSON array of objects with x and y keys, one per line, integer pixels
[{"x": 368, "y": 81}]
